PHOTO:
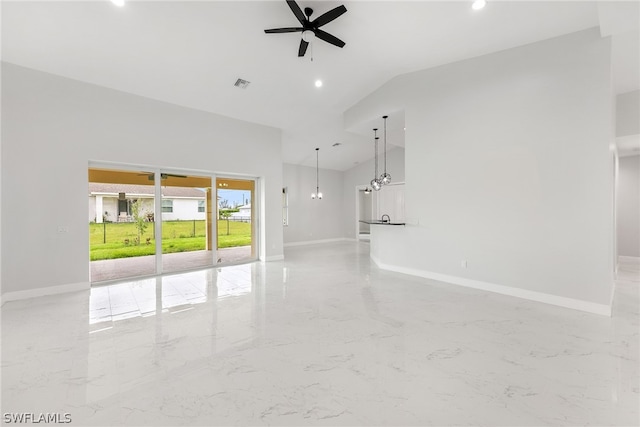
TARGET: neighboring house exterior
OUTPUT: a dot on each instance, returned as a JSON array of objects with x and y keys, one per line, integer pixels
[
  {"x": 243, "y": 214},
  {"x": 112, "y": 202}
]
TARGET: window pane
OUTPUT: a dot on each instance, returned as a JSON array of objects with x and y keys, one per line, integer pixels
[
  {"x": 121, "y": 228},
  {"x": 187, "y": 240}
]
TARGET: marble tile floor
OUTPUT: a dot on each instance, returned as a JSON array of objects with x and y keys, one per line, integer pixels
[
  {"x": 322, "y": 338},
  {"x": 629, "y": 270}
]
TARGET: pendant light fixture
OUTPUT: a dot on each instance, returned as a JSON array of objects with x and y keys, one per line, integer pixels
[
  {"x": 385, "y": 178},
  {"x": 375, "y": 182},
  {"x": 317, "y": 194}
]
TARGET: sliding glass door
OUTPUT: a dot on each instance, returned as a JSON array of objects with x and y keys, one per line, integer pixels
[
  {"x": 187, "y": 212},
  {"x": 121, "y": 232},
  {"x": 236, "y": 220},
  {"x": 143, "y": 223}
]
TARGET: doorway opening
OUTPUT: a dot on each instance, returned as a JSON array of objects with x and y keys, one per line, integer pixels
[{"x": 364, "y": 211}]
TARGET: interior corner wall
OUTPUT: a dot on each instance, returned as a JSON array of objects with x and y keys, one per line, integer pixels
[
  {"x": 509, "y": 168},
  {"x": 312, "y": 220},
  {"x": 628, "y": 209},
  {"x": 362, "y": 174},
  {"x": 52, "y": 127}
]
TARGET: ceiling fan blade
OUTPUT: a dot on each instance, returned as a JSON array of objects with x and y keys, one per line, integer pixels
[
  {"x": 167, "y": 175},
  {"x": 297, "y": 11},
  {"x": 303, "y": 48},
  {"x": 284, "y": 30},
  {"x": 323, "y": 35},
  {"x": 325, "y": 18}
]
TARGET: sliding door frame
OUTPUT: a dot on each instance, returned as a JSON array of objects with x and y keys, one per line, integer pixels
[{"x": 256, "y": 215}]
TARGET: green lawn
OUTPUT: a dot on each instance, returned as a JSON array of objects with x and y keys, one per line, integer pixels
[{"x": 177, "y": 236}]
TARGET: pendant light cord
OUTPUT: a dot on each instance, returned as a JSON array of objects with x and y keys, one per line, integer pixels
[
  {"x": 375, "y": 138},
  {"x": 385, "y": 144},
  {"x": 317, "y": 172}
]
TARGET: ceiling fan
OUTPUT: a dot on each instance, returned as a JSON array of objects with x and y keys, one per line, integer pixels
[
  {"x": 311, "y": 28},
  {"x": 151, "y": 175}
]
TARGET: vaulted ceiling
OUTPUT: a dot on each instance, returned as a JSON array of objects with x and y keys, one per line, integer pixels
[{"x": 191, "y": 53}]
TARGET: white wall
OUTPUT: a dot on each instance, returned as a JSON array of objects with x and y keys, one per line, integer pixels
[
  {"x": 183, "y": 209},
  {"x": 92, "y": 210},
  {"x": 362, "y": 174},
  {"x": 628, "y": 206},
  {"x": 390, "y": 202},
  {"x": 1, "y": 160},
  {"x": 508, "y": 167},
  {"x": 313, "y": 220},
  {"x": 628, "y": 113},
  {"x": 53, "y": 127},
  {"x": 110, "y": 205}
]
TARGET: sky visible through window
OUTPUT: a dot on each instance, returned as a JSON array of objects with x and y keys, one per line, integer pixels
[{"x": 235, "y": 197}]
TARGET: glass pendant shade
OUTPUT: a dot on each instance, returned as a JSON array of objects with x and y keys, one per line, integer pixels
[
  {"x": 375, "y": 184},
  {"x": 385, "y": 178}
]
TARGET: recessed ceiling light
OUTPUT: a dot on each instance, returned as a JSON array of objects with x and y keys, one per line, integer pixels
[
  {"x": 118, "y": 3},
  {"x": 318, "y": 83},
  {"x": 478, "y": 4}
]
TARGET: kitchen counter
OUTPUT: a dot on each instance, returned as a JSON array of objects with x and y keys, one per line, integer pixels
[{"x": 380, "y": 222}]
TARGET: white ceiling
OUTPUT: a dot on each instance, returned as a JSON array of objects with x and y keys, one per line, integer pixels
[{"x": 191, "y": 53}]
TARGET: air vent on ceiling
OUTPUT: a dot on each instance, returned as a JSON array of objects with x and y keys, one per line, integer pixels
[{"x": 242, "y": 84}]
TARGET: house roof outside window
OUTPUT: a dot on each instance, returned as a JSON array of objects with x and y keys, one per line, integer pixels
[{"x": 144, "y": 190}]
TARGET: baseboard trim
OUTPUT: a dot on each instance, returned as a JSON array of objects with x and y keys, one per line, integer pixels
[
  {"x": 41, "y": 292},
  {"x": 589, "y": 307},
  {"x": 274, "y": 258},
  {"x": 317, "y": 242},
  {"x": 629, "y": 259}
]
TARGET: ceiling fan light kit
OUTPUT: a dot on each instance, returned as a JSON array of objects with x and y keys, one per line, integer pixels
[{"x": 311, "y": 29}]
